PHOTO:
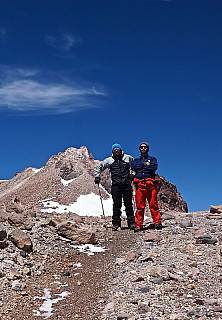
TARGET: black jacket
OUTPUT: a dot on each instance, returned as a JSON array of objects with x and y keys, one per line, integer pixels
[{"x": 119, "y": 168}]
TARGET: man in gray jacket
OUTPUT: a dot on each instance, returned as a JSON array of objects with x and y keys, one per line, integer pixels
[{"x": 119, "y": 166}]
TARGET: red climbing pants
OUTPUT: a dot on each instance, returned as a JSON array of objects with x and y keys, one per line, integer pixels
[{"x": 146, "y": 189}]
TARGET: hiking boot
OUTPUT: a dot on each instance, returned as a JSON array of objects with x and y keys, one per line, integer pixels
[
  {"x": 132, "y": 226},
  {"x": 138, "y": 229},
  {"x": 158, "y": 226},
  {"x": 115, "y": 228}
]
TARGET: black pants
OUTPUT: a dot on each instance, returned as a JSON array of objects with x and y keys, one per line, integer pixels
[{"x": 118, "y": 192}]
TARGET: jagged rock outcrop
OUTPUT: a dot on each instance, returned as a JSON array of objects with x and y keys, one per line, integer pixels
[
  {"x": 64, "y": 178},
  {"x": 169, "y": 198},
  {"x": 216, "y": 209}
]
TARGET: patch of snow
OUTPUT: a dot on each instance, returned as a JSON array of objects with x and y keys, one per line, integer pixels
[
  {"x": 46, "y": 308},
  {"x": 77, "y": 265},
  {"x": 36, "y": 170},
  {"x": 89, "y": 249},
  {"x": 86, "y": 205},
  {"x": 66, "y": 182}
]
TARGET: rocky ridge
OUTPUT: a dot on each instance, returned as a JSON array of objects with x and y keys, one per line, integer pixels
[{"x": 68, "y": 175}]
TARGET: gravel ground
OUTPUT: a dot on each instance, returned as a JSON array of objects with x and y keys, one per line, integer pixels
[
  {"x": 172, "y": 275},
  {"x": 65, "y": 269}
]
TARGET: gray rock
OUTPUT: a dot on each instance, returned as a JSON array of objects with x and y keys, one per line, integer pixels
[
  {"x": 65, "y": 273},
  {"x": 166, "y": 216},
  {"x": 123, "y": 316},
  {"x": 156, "y": 280},
  {"x": 186, "y": 224},
  {"x": 70, "y": 230},
  {"x": 114, "y": 274},
  {"x": 144, "y": 289},
  {"x": 206, "y": 240},
  {"x": 109, "y": 308},
  {"x": 23, "y": 253},
  {"x": 16, "y": 285}
]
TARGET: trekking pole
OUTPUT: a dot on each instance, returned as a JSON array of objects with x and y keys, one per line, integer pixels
[
  {"x": 105, "y": 226},
  {"x": 133, "y": 198}
]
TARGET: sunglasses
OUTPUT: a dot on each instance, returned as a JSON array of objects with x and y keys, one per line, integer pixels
[
  {"x": 143, "y": 147},
  {"x": 116, "y": 149}
]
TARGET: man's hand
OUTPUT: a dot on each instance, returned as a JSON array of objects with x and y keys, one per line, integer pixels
[{"x": 97, "y": 180}]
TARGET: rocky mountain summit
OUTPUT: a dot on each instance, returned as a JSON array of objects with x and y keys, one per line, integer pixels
[
  {"x": 68, "y": 175},
  {"x": 68, "y": 266}
]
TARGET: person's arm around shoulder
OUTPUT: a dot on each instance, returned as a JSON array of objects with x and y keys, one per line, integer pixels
[
  {"x": 128, "y": 158},
  {"x": 101, "y": 167}
]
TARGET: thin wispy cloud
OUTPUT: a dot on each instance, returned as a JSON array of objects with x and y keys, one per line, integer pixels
[
  {"x": 33, "y": 95},
  {"x": 9, "y": 73},
  {"x": 3, "y": 33},
  {"x": 62, "y": 42}
]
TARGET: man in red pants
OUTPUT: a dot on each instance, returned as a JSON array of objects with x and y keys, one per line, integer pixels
[{"x": 146, "y": 187}]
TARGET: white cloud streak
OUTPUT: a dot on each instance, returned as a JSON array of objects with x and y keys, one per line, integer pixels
[
  {"x": 62, "y": 42},
  {"x": 30, "y": 95}
]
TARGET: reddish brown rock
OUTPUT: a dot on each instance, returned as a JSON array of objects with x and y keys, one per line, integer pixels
[
  {"x": 20, "y": 239},
  {"x": 152, "y": 237},
  {"x": 216, "y": 209},
  {"x": 159, "y": 272},
  {"x": 131, "y": 256},
  {"x": 20, "y": 220}
]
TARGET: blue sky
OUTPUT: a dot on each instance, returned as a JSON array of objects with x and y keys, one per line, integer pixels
[{"x": 93, "y": 73}]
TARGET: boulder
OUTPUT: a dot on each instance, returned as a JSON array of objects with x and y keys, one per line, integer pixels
[
  {"x": 20, "y": 220},
  {"x": 216, "y": 209},
  {"x": 186, "y": 223},
  {"x": 71, "y": 230},
  {"x": 20, "y": 239}
]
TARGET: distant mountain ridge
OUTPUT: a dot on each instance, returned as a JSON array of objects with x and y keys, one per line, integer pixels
[{"x": 68, "y": 175}]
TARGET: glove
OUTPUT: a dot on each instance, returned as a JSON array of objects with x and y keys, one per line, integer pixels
[{"x": 97, "y": 180}]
